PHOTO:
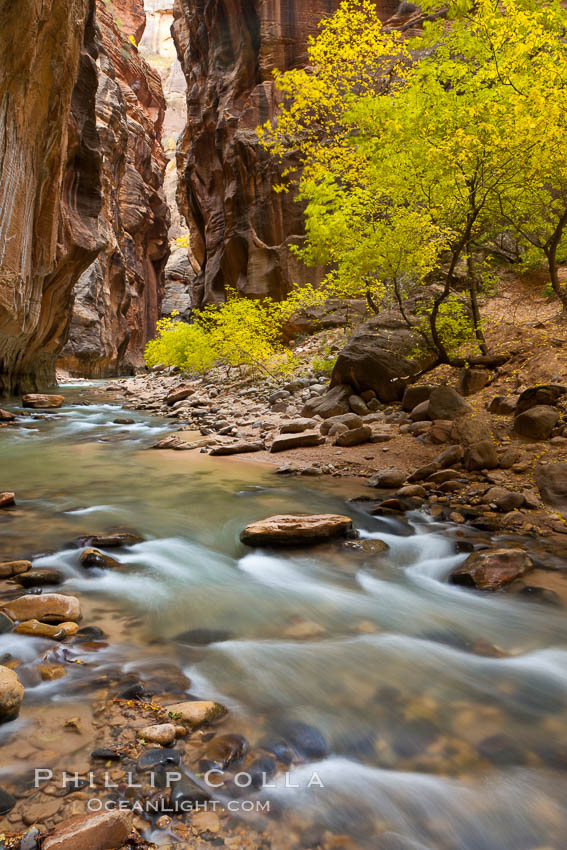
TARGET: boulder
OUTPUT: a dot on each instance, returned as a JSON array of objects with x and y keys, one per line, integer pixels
[
  {"x": 48, "y": 608},
  {"x": 416, "y": 394},
  {"x": 351, "y": 420},
  {"x": 39, "y": 578},
  {"x": 296, "y": 441},
  {"x": 7, "y": 500},
  {"x": 178, "y": 394},
  {"x": 481, "y": 455},
  {"x": 105, "y": 830},
  {"x": 537, "y": 422},
  {"x": 42, "y": 400},
  {"x": 11, "y": 694},
  {"x": 380, "y": 356},
  {"x": 297, "y": 426},
  {"x": 551, "y": 481},
  {"x": 503, "y": 499},
  {"x": 237, "y": 449},
  {"x": 6, "y": 416},
  {"x": 354, "y": 437},
  {"x": 503, "y": 405},
  {"x": 440, "y": 431},
  {"x": 290, "y": 529},
  {"x": 492, "y": 569},
  {"x": 337, "y": 428},
  {"x": 196, "y": 712},
  {"x": 420, "y": 412},
  {"x": 14, "y": 568},
  {"x": 471, "y": 428},
  {"x": 446, "y": 403},
  {"x": 544, "y": 394},
  {"x": 387, "y": 479},
  {"x": 358, "y": 405},
  {"x": 450, "y": 457},
  {"x": 333, "y": 403},
  {"x": 471, "y": 381},
  {"x": 423, "y": 472}
]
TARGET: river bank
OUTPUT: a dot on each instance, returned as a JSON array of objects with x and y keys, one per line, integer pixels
[{"x": 414, "y": 691}]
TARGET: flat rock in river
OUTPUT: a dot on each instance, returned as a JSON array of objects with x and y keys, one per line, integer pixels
[
  {"x": 290, "y": 529},
  {"x": 48, "y": 608},
  {"x": 42, "y": 400}
]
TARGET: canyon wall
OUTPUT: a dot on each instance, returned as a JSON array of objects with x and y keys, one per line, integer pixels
[
  {"x": 118, "y": 298},
  {"x": 241, "y": 229},
  {"x": 50, "y": 188}
]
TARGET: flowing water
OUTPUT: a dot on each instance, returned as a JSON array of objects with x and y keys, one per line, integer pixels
[{"x": 444, "y": 711}]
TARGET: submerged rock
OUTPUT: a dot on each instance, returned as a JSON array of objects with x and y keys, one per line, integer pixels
[
  {"x": 106, "y": 830},
  {"x": 42, "y": 400},
  {"x": 7, "y": 802},
  {"x": 203, "y": 637},
  {"x": 306, "y": 740},
  {"x": 186, "y": 791},
  {"x": 289, "y": 529},
  {"x": 223, "y": 751},
  {"x": 158, "y": 757},
  {"x": 112, "y": 540},
  {"x": 492, "y": 569},
  {"x": 48, "y": 608},
  {"x": 11, "y": 694}
]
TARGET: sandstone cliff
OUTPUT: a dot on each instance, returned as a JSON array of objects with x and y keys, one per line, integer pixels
[
  {"x": 241, "y": 230},
  {"x": 118, "y": 298},
  {"x": 50, "y": 192}
]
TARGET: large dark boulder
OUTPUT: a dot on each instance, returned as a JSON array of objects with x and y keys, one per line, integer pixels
[
  {"x": 381, "y": 355},
  {"x": 544, "y": 394},
  {"x": 536, "y": 423}
]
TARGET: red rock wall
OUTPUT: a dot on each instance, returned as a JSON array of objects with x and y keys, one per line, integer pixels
[
  {"x": 49, "y": 179},
  {"x": 241, "y": 229},
  {"x": 118, "y": 298}
]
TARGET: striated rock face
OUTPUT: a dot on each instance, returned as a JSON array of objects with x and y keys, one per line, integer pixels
[
  {"x": 240, "y": 228},
  {"x": 50, "y": 192},
  {"x": 118, "y": 298}
]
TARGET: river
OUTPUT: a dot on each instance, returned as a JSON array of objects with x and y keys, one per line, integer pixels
[{"x": 444, "y": 711}]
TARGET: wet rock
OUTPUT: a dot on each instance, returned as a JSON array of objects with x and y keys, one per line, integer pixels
[
  {"x": 296, "y": 441},
  {"x": 297, "y": 426},
  {"x": 540, "y": 594},
  {"x": 501, "y": 749},
  {"x": 544, "y": 394},
  {"x": 13, "y": 568},
  {"x": 179, "y": 394},
  {"x": 7, "y": 802},
  {"x": 224, "y": 751},
  {"x": 106, "y": 754},
  {"x": 237, "y": 449},
  {"x": 7, "y": 416},
  {"x": 151, "y": 759},
  {"x": 42, "y": 400},
  {"x": 135, "y": 691},
  {"x": 88, "y": 633},
  {"x": 446, "y": 403},
  {"x": 415, "y": 737},
  {"x": 492, "y": 569},
  {"x": 51, "y": 672},
  {"x": 307, "y": 741},
  {"x": 333, "y": 403},
  {"x": 303, "y": 630},
  {"x": 503, "y": 405},
  {"x": 7, "y": 500},
  {"x": 94, "y": 558},
  {"x": 39, "y": 578},
  {"x": 11, "y": 694},
  {"x": 6, "y": 624},
  {"x": 354, "y": 437},
  {"x": 367, "y": 547},
  {"x": 551, "y": 480},
  {"x": 70, "y": 629},
  {"x": 481, "y": 455},
  {"x": 100, "y": 831},
  {"x": 537, "y": 423},
  {"x": 414, "y": 395},
  {"x": 278, "y": 747},
  {"x": 110, "y": 541},
  {"x": 48, "y": 608},
  {"x": 161, "y": 733},
  {"x": 471, "y": 381},
  {"x": 186, "y": 792},
  {"x": 387, "y": 479},
  {"x": 36, "y": 629},
  {"x": 203, "y": 637},
  {"x": 196, "y": 713},
  {"x": 261, "y": 770},
  {"x": 123, "y": 420},
  {"x": 288, "y": 529},
  {"x": 348, "y": 420}
]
